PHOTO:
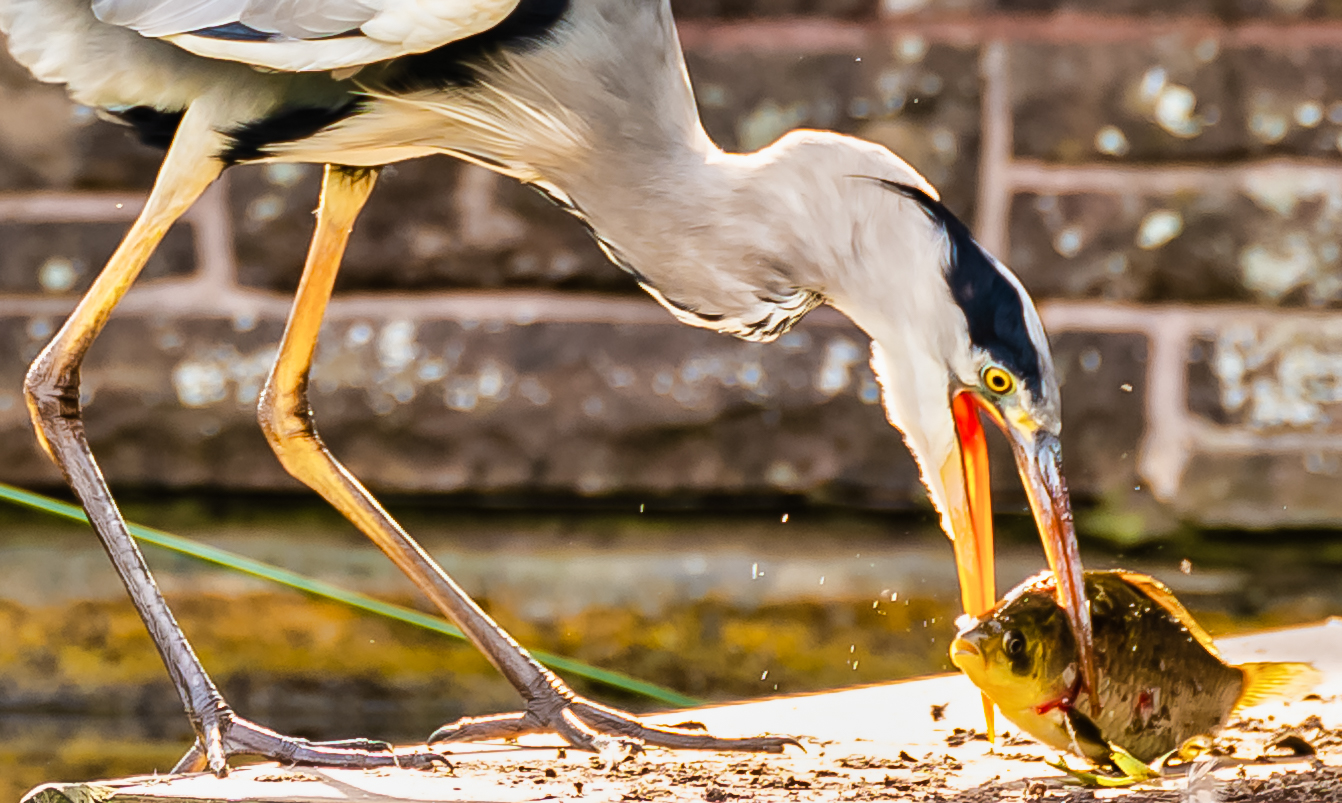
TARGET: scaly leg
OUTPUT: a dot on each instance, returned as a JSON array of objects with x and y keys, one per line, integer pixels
[
  {"x": 52, "y": 388},
  {"x": 286, "y": 417}
]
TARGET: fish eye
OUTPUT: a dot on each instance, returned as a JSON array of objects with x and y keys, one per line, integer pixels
[
  {"x": 998, "y": 380},
  {"x": 1013, "y": 642}
]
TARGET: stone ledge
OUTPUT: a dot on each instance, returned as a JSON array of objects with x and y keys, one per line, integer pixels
[
  {"x": 488, "y": 392},
  {"x": 437, "y": 403}
]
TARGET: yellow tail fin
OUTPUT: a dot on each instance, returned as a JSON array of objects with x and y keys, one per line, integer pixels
[{"x": 1265, "y": 682}]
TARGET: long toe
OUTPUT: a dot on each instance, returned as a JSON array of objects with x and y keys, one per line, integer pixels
[
  {"x": 369, "y": 745},
  {"x": 481, "y": 729},
  {"x": 587, "y": 726},
  {"x": 243, "y": 738}
]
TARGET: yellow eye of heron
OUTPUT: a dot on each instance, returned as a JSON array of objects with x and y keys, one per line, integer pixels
[{"x": 998, "y": 380}]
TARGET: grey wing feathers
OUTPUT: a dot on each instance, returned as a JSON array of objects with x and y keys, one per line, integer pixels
[
  {"x": 295, "y": 19},
  {"x": 304, "y": 35}
]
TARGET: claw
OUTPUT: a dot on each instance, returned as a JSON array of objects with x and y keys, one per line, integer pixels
[
  {"x": 216, "y": 759},
  {"x": 192, "y": 762}
]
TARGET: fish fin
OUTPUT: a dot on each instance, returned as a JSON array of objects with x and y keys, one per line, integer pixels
[
  {"x": 1162, "y": 596},
  {"x": 1268, "y": 681},
  {"x": 1087, "y": 738},
  {"x": 1131, "y": 771}
]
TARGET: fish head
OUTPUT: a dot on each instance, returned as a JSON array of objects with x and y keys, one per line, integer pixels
[{"x": 1022, "y": 653}]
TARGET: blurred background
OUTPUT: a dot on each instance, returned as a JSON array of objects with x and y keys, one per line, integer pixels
[{"x": 723, "y": 518}]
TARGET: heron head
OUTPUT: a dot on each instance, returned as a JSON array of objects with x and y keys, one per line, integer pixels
[{"x": 956, "y": 340}]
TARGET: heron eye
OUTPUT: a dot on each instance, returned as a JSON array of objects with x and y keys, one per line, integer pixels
[
  {"x": 1013, "y": 642},
  {"x": 998, "y": 380}
]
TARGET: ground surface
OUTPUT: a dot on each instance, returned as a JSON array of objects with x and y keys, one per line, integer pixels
[{"x": 914, "y": 741}]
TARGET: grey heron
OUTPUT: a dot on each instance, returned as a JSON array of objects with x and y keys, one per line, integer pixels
[{"x": 589, "y": 102}]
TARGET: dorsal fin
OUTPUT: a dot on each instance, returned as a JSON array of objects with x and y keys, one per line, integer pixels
[
  {"x": 1276, "y": 680},
  {"x": 1160, "y": 594}
]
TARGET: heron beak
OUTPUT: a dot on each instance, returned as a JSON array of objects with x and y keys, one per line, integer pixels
[
  {"x": 969, "y": 499},
  {"x": 965, "y": 478},
  {"x": 970, "y": 502},
  {"x": 1039, "y": 460}
]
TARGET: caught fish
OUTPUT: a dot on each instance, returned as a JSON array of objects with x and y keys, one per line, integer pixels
[{"x": 1161, "y": 680}]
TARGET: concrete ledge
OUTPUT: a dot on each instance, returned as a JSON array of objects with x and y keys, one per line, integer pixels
[{"x": 873, "y": 743}]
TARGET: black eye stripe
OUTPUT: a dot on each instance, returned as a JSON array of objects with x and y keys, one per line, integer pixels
[{"x": 993, "y": 308}]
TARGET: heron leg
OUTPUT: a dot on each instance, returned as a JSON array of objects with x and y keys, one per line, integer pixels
[
  {"x": 53, "y": 396},
  {"x": 286, "y": 418}
]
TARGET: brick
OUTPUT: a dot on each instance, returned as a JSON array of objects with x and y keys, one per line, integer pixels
[
  {"x": 585, "y": 409},
  {"x": 1103, "y": 379},
  {"x": 1066, "y": 97},
  {"x": 1285, "y": 9},
  {"x": 1269, "y": 378},
  {"x": 744, "y": 9},
  {"x": 1260, "y": 490},
  {"x": 1289, "y": 100},
  {"x": 1263, "y": 393},
  {"x": 48, "y": 142},
  {"x": 431, "y": 223},
  {"x": 435, "y": 223},
  {"x": 1274, "y": 243},
  {"x": 591, "y": 409},
  {"x": 921, "y": 100},
  {"x": 1138, "y": 8},
  {"x": 1176, "y": 97},
  {"x": 1229, "y": 10},
  {"x": 63, "y": 258},
  {"x": 932, "y": 8}
]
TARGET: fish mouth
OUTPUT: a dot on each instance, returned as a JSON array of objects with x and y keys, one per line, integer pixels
[{"x": 964, "y": 651}]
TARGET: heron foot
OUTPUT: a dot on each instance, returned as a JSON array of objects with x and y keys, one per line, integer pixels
[
  {"x": 222, "y": 734},
  {"x": 586, "y": 725}
]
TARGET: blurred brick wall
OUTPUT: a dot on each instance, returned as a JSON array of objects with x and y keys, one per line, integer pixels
[{"x": 1165, "y": 177}]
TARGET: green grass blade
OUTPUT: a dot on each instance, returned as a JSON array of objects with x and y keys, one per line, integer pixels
[{"x": 325, "y": 590}]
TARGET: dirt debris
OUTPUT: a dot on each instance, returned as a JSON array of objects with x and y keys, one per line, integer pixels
[{"x": 879, "y": 773}]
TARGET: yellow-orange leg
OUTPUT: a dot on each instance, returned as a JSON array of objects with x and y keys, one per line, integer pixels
[
  {"x": 286, "y": 417},
  {"x": 52, "y": 391}
]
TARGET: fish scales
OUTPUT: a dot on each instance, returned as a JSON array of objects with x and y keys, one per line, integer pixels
[{"x": 1161, "y": 680}]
